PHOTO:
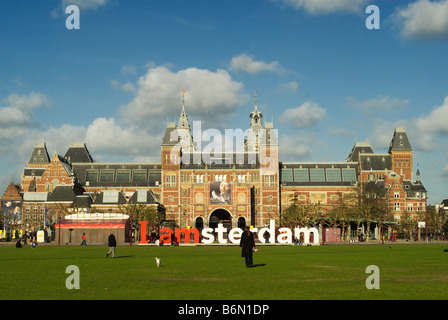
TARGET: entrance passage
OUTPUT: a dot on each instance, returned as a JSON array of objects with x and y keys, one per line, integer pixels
[{"x": 220, "y": 216}]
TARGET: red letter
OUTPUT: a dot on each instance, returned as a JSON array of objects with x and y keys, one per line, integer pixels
[
  {"x": 165, "y": 235},
  {"x": 187, "y": 233},
  {"x": 143, "y": 225}
]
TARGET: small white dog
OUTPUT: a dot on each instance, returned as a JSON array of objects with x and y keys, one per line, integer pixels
[{"x": 158, "y": 262}]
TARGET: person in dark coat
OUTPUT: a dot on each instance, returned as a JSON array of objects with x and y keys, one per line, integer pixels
[
  {"x": 112, "y": 244},
  {"x": 247, "y": 243}
]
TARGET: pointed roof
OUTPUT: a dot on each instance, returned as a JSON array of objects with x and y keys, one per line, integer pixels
[
  {"x": 359, "y": 148},
  {"x": 78, "y": 153},
  {"x": 400, "y": 141},
  {"x": 183, "y": 118},
  {"x": 39, "y": 154},
  {"x": 255, "y": 115}
]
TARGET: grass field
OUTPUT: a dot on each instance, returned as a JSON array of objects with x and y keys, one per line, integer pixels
[{"x": 218, "y": 272}]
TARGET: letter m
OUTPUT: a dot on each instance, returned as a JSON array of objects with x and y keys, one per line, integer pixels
[{"x": 187, "y": 233}]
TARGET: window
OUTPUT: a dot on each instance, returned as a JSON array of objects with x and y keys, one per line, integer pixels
[
  {"x": 270, "y": 197},
  {"x": 185, "y": 177},
  {"x": 317, "y": 175},
  {"x": 139, "y": 175},
  {"x": 123, "y": 175},
  {"x": 107, "y": 175},
  {"x": 334, "y": 175},
  {"x": 287, "y": 175},
  {"x": 92, "y": 175},
  {"x": 348, "y": 175},
  {"x": 397, "y": 206},
  {"x": 170, "y": 180},
  {"x": 255, "y": 177},
  {"x": 269, "y": 180},
  {"x": 301, "y": 175},
  {"x": 396, "y": 195}
]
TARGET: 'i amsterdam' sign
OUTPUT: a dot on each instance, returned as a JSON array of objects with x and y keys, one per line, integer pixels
[{"x": 285, "y": 235}]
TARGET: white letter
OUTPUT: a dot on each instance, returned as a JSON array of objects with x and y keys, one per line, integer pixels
[
  {"x": 235, "y": 235},
  {"x": 220, "y": 230},
  {"x": 72, "y": 282},
  {"x": 72, "y": 21},
  {"x": 373, "y": 281},
  {"x": 207, "y": 235},
  {"x": 373, "y": 21},
  {"x": 285, "y": 235},
  {"x": 271, "y": 232}
]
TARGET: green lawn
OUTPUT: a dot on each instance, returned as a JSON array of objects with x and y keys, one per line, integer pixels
[{"x": 218, "y": 272}]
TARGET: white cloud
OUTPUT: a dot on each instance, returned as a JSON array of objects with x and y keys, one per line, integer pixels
[
  {"x": 423, "y": 19},
  {"x": 295, "y": 148},
  {"x": 327, "y": 6},
  {"x": 209, "y": 95},
  {"x": 128, "y": 86},
  {"x": 85, "y": 4},
  {"x": 291, "y": 86},
  {"x": 128, "y": 70},
  {"x": 304, "y": 116},
  {"x": 18, "y": 111},
  {"x": 107, "y": 136},
  {"x": 436, "y": 121},
  {"x": 246, "y": 63},
  {"x": 376, "y": 105},
  {"x": 82, "y": 5}
]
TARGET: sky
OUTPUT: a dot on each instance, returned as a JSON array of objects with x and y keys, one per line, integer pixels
[{"x": 323, "y": 78}]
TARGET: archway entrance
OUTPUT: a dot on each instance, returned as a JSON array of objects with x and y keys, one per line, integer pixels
[{"x": 220, "y": 216}]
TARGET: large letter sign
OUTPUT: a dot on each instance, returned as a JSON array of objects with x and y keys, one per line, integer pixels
[{"x": 285, "y": 235}]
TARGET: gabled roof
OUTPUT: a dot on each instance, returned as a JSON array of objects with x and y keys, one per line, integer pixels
[
  {"x": 12, "y": 192},
  {"x": 144, "y": 196},
  {"x": 110, "y": 197},
  {"x": 62, "y": 194},
  {"x": 400, "y": 141}
]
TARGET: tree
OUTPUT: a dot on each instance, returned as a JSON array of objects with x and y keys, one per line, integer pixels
[
  {"x": 372, "y": 203},
  {"x": 143, "y": 212}
]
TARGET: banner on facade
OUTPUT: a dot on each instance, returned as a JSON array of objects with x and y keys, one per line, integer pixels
[
  {"x": 220, "y": 192},
  {"x": 12, "y": 210}
]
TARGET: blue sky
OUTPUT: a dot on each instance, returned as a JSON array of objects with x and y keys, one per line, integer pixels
[{"x": 321, "y": 75}]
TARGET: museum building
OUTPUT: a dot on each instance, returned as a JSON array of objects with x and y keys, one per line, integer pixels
[{"x": 198, "y": 189}]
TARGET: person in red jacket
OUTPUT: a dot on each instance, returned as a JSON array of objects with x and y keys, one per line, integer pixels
[{"x": 84, "y": 240}]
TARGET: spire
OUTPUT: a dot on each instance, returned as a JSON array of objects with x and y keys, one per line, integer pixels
[
  {"x": 183, "y": 118},
  {"x": 255, "y": 116},
  {"x": 256, "y": 102}
]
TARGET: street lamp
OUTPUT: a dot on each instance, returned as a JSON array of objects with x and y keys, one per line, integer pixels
[{"x": 382, "y": 237}]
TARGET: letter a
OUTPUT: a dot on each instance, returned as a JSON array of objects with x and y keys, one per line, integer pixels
[
  {"x": 72, "y": 282},
  {"x": 72, "y": 21},
  {"x": 373, "y": 21},
  {"x": 373, "y": 281}
]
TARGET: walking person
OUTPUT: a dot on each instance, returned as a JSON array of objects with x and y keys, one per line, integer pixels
[
  {"x": 112, "y": 244},
  {"x": 247, "y": 243},
  {"x": 84, "y": 240}
]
